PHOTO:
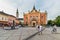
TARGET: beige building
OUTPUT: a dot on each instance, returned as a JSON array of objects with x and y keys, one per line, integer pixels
[{"x": 7, "y": 20}]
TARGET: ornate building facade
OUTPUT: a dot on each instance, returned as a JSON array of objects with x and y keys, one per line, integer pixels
[{"x": 35, "y": 17}]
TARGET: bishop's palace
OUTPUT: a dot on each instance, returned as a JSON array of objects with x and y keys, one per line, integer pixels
[{"x": 35, "y": 17}]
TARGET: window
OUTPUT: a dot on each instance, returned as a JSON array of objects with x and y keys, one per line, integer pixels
[
  {"x": 5, "y": 18},
  {"x": 41, "y": 16},
  {"x": 36, "y": 16},
  {"x": 2, "y": 18}
]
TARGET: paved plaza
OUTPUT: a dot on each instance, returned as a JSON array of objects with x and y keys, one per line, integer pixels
[
  {"x": 47, "y": 35},
  {"x": 28, "y": 33}
]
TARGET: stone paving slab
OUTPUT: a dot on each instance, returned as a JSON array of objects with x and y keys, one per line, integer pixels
[
  {"x": 3, "y": 38},
  {"x": 17, "y": 34},
  {"x": 27, "y": 32},
  {"x": 13, "y": 38},
  {"x": 47, "y": 35},
  {"x": 24, "y": 32}
]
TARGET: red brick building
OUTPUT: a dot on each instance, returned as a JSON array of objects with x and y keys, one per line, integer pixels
[{"x": 35, "y": 17}]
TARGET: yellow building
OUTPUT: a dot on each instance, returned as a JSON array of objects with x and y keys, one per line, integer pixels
[
  {"x": 3, "y": 19},
  {"x": 7, "y": 20}
]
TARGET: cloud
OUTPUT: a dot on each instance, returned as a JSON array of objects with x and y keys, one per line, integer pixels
[
  {"x": 10, "y": 6},
  {"x": 26, "y": 5},
  {"x": 52, "y": 7},
  {"x": 6, "y": 7}
]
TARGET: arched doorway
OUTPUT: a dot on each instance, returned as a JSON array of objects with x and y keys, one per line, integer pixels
[{"x": 33, "y": 22}]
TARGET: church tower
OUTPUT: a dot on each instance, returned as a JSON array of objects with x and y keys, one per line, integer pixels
[{"x": 17, "y": 13}]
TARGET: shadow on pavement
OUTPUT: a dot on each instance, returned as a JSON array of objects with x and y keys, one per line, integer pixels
[
  {"x": 31, "y": 36},
  {"x": 56, "y": 33}
]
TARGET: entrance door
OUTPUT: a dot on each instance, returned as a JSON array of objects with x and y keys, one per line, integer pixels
[{"x": 33, "y": 24}]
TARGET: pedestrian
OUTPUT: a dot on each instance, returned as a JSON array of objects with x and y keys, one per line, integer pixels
[{"x": 40, "y": 29}]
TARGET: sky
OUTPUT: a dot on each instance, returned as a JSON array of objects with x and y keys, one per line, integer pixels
[{"x": 51, "y": 6}]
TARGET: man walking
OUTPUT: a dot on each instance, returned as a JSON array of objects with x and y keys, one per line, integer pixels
[{"x": 40, "y": 29}]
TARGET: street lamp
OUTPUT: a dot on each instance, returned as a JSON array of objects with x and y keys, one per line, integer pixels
[{"x": 13, "y": 26}]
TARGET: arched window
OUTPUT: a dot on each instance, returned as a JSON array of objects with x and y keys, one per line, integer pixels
[{"x": 41, "y": 17}]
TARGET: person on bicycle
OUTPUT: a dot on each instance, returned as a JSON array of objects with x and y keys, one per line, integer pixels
[{"x": 54, "y": 29}]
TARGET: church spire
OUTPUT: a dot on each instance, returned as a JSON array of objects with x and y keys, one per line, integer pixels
[
  {"x": 17, "y": 13},
  {"x": 34, "y": 7}
]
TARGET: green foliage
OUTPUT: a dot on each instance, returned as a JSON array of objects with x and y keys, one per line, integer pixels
[
  {"x": 50, "y": 22},
  {"x": 57, "y": 20}
]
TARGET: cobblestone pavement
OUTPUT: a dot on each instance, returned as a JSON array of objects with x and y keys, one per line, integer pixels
[
  {"x": 26, "y": 32},
  {"x": 23, "y": 33},
  {"x": 16, "y": 34},
  {"x": 9, "y": 34},
  {"x": 47, "y": 35}
]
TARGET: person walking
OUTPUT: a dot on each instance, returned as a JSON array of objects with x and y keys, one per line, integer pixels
[{"x": 40, "y": 29}]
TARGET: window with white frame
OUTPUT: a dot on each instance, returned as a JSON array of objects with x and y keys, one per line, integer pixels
[{"x": 0, "y": 18}]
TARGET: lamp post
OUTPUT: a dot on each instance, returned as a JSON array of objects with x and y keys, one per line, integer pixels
[{"x": 13, "y": 25}]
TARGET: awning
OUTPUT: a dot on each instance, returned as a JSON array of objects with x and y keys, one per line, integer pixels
[{"x": 4, "y": 22}]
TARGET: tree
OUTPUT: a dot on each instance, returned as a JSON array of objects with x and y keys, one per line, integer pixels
[
  {"x": 49, "y": 22},
  {"x": 54, "y": 22},
  {"x": 57, "y": 20}
]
